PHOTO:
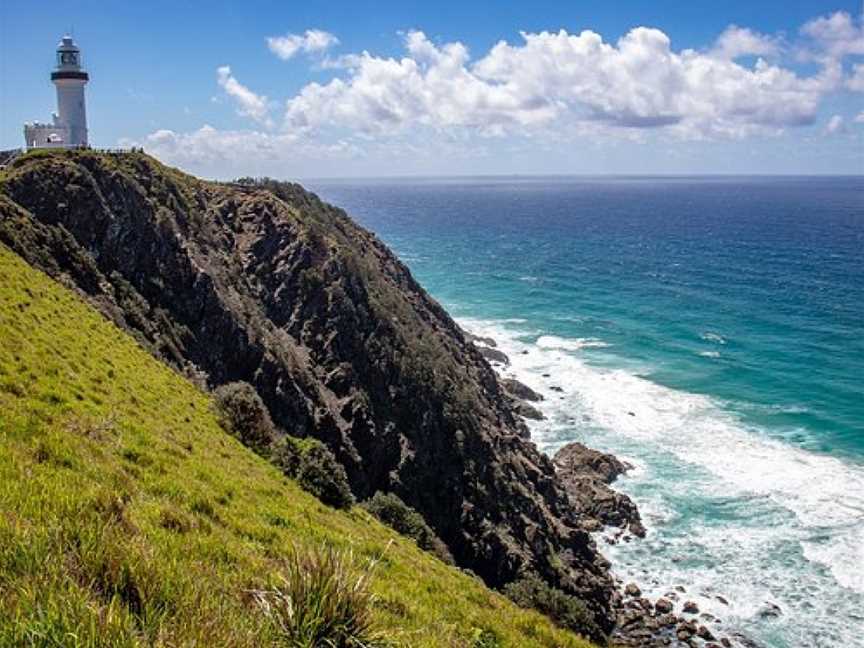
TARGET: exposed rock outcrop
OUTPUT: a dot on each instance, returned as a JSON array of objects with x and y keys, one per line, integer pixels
[
  {"x": 520, "y": 390},
  {"x": 266, "y": 284},
  {"x": 586, "y": 475}
]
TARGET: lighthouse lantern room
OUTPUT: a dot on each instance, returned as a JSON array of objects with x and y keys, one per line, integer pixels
[{"x": 69, "y": 125}]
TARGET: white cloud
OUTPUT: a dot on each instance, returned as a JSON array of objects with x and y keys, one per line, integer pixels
[
  {"x": 740, "y": 41},
  {"x": 835, "y": 36},
  {"x": 559, "y": 81},
  {"x": 248, "y": 103},
  {"x": 834, "y": 125},
  {"x": 550, "y": 95},
  {"x": 859, "y": 118},
  {"x": 230, "y": 153},
  {"x": 855, "y": 82},
  {"x": 311, "y": 41}
]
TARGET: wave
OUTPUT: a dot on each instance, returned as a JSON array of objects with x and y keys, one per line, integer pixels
[
  {"x": 729, "y": 510},
  {"x": 716, "y": 338},
  {"x": 568, "y": 344}
]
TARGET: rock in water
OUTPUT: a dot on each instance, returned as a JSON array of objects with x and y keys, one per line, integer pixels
[
  {"x": 587, "y": 462},
  {"x": 263, "y": 282},
  {"x": 527, "y": 411},
  {"x": 494, "y": 355},
  {"x": 479, "y": 340},
  {"x": 663, "y": 606},
  {"x": 586, "y": 475},
  {"x": 520, "y": 390}
]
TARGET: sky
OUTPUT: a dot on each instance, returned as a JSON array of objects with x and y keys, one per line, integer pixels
[{"x": 352, "y": 89}]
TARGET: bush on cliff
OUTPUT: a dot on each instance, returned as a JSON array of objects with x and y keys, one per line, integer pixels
[
  {"x": 569, "y": 612},
  {"x": 396, "y": 514},
  {"x": 315, "y": 469},
  {"x": 243, "y": 414}
]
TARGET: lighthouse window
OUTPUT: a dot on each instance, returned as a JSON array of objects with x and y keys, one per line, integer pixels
[{"x": 68, "y": 58}]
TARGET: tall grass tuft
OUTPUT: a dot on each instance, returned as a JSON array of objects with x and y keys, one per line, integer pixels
[{"x": 321, "y": 601}]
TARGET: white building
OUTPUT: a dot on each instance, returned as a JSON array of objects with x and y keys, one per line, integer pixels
[{"x": 69, "y": 125}]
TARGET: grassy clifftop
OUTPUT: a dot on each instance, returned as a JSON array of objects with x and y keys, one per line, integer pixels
[{"x": 128, "y": 517}]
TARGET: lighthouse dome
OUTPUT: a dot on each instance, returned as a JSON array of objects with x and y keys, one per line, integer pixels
[{"x": 68, "y": 54}]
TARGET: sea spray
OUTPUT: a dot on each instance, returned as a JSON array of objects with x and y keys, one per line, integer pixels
[{"x": 765, "y": 536}]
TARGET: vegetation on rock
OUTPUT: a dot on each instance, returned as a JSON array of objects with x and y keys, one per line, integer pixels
[
  {"x": 568, "y": 611},
  {"x": 128, "y": 517},
  {"x": 264, "y": 283},
  {"x": 244, "y": 414},
  {"x": 396, "y": 514}
]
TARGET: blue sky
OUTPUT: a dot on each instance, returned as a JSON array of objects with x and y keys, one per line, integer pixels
[{"x": 652, "y": 87}]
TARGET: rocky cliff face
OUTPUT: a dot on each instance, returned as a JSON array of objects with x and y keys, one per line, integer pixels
[{"x": 269, "y": 285}]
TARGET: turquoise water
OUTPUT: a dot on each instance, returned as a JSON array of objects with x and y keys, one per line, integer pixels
[{"x": 710, "y": 331}]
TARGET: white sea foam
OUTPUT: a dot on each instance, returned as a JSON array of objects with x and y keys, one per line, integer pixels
[
  {"x": 568, "y": 344},
  {"x": 780, "y": 516},
  {"x": 709, "y": 354},
  {"x": 716, "y": 338}
]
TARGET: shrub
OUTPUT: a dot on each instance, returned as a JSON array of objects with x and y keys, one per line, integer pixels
[
  {"x": 485, "y": 638},
  {"x": 396, "y": 514},
  {"x": 315, "y": 469},
  {"x": 286, "y": 453},
  {"x": 323, "y": 476},
  {"x": 321, "y": 601},
  {"x": 567, "y": 611},
  {"x": 243, "y": 414}
]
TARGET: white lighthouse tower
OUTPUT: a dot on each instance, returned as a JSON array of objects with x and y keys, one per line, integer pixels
[{"x": 69, "y": 126}]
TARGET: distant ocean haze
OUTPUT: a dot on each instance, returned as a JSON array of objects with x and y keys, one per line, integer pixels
[{"x": 708, "y": 329}]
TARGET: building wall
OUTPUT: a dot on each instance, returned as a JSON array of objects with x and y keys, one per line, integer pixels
[{"x": 41, "y": 136}]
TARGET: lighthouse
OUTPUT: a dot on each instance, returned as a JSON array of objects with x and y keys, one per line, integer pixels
[{"x": 69, "y": 126}]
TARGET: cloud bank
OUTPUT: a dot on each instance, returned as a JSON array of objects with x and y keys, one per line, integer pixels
[{"x": 549, "y": 87}]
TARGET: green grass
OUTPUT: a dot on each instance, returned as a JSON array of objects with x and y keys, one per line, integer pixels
[{"x": 129, "y": 518}]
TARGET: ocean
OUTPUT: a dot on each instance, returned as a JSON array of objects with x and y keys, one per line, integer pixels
[{"x": 710, "y": 331}]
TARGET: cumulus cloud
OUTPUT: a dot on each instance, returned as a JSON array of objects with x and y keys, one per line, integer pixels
[
  {"x": 855, "y": 82},
  {"x": 309, "y": 42},
  {"x": 544, "y": 92},
  {"x": 834, "y": 125},
  {"x": 835, "y": 36},
  {"x": 558, "y": 79},
  {"x": 248, "y": 103},
  {"x": 859, "y": 118},
  {"x": 737, "y": 41}
]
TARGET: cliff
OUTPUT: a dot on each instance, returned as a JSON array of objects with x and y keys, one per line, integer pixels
[
  {"x": 267, "y": 284},
  {"x": 129, "y": 518}
]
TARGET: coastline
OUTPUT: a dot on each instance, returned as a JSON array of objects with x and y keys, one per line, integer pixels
[
  {"x": 611, "y": 516},
  {"x": 751, "y": 608}
]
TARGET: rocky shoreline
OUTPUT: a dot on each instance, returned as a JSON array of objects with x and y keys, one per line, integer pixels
[{"x": 673, "y": 620}]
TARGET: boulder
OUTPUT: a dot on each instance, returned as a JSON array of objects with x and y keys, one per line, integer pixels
[
  {"x": 704, "y": 633},
  {"x": 663, "y": 606},
  {"x": 520, "y": 390},
  {"x": 593, "y": 463},
  {"x": 585, "y": 475},
  {"x": 527, "y": 411},
  {"x": 632, "y": 589},
  {"x": 480, "y": 340},
  {"x": 494, "y": 355},
  {"x": 690, "y": 607}
]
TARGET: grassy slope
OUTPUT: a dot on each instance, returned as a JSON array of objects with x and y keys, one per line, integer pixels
[{"x": 127, "y": 517}]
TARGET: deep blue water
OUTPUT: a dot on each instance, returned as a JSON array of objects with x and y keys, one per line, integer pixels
[{"x": 711, "y": 331}]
